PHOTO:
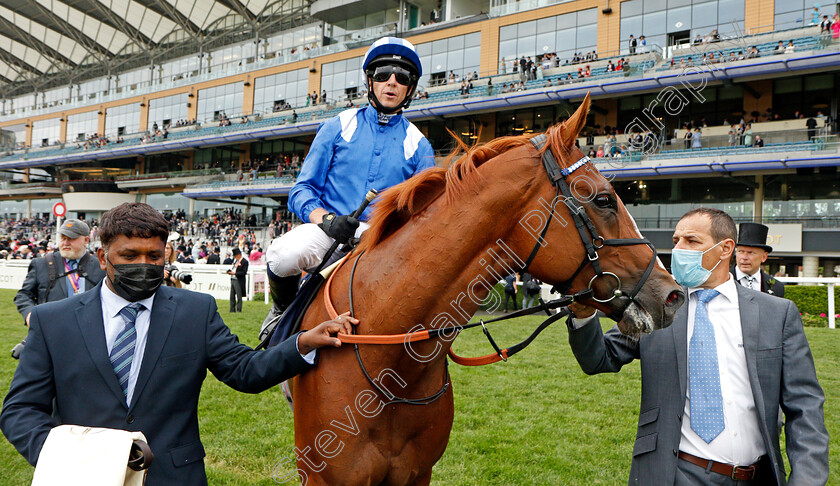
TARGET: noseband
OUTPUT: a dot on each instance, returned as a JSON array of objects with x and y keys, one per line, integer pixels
[{"x": 592, "y": 240}]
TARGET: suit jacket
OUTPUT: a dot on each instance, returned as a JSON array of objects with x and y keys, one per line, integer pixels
[
  {"x": 213, "y": 259},
  {"x": 769, "y": 285},
  {"x": 66, "y": 358},
  {"x": 781, "y": 373},
  {"x": 241, "y": 272},
  {"x": 35, "y": 286}
]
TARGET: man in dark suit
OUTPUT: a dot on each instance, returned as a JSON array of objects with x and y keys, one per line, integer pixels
[
  {"x": 751, "y": 251},
  {"x": 713, "y": 382},
  {"x": 237, "y": 272},
  {"x": 133, "y": 355},
  {"x": 61, "y": 274},
  {"x": 213, "y": 258}
]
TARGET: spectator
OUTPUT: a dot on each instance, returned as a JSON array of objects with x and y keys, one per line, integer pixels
[
  {"x": 632, "y": 43},
  {"x": 600, "y": 152},
  {"x": 748, "y": 135},
  {"x": 68, "y": 271},
  {"x": 780, "y": 48},
  {"x": 643, "y": 44},
  {"x": 835, "y": 27},
  {"x": 510, "y": 291},
  {"x": 811, "y": 123},
  {"x": 695, "y": 139},
  {"x": 825, "y": 25},
  {"x": 815, "y": 15},
  {"x": 758, "y": 141}
]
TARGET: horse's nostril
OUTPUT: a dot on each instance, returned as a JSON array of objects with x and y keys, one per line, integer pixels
[{"x": 674, "y": 298}]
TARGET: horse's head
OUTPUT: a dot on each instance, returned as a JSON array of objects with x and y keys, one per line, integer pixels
[{"x": 589, "y": 224}]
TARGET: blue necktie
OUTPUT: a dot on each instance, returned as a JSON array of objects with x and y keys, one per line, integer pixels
[
  {"x": 123, "y": 351},
  {"x": 703, "y": 374},
  {"x": 73, "y": 264}
]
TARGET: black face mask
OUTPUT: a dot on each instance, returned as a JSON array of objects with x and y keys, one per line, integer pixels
[{"x": 136, "y": 281}]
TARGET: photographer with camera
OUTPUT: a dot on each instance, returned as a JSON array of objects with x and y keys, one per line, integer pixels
[
  {"x": 70, "y": 270},
  {"x": 172, "y": 276}
]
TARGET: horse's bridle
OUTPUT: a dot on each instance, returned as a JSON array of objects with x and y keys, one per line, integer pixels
[{"x": 592, "y": 240}]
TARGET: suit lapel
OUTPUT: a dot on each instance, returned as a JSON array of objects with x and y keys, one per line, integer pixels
[
  {"x": 160, "y": 323},
  {"x": 680, "y": 330},
  {"x": 89, "y": 318},
  {"x": 749, "y": 312}
]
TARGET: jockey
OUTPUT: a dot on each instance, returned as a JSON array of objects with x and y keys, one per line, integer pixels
[{"x": 374, "y": 147}]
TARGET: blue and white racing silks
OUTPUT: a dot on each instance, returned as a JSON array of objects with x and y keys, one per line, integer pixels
[{"x": 351, "y": 154}]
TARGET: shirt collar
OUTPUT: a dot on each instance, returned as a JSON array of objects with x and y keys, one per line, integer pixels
[
  {"x": 373, "y": 116},
  {"x": 728, "y": 289},
  {"x": 740, "y": 274},
  {"x": 113, "y": 303}
]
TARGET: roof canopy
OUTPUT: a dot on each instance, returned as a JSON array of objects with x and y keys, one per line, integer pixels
[{"x": 48, "y": 43}]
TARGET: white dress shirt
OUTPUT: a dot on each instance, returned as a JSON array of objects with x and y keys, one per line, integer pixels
[
  {"x": 743, "y": 279},
  {"x": 740, "y": 442},
  {"x": 112, "y": 304}
]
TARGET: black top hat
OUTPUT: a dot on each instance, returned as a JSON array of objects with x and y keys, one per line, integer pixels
[{"x": 753, "y": 234}]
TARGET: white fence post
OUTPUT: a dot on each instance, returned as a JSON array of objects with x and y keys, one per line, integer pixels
[{"x": 829, "y": 282}]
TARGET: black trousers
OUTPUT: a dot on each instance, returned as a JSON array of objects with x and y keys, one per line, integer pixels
[{"x": 236, "y": 290}]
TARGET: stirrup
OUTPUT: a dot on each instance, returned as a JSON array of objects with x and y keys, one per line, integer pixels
[{"x": 287, "y": 393}]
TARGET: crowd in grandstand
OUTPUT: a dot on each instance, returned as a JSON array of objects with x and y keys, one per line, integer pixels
[{"x": 27, "y": 238}]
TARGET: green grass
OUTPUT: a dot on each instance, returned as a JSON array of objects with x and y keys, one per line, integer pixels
[{"x": 534, "y": 420}]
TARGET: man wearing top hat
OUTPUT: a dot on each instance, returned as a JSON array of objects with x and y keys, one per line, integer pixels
[
  {"x": 751, "y": 251},
  {"x": 70, "y": 270}
]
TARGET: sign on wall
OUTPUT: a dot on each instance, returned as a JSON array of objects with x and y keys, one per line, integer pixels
[{"x": 785, "y": 237}]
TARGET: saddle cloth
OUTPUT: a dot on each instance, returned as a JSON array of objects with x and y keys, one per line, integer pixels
[{"x": 289, "y": 322}]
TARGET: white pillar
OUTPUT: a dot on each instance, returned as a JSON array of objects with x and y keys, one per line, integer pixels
[
  {"x": 28, "y": 208},
  {"x": 810, "y": 267}
]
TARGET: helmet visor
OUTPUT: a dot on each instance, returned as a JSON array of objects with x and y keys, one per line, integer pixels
[{"x": 383, "y": 73}]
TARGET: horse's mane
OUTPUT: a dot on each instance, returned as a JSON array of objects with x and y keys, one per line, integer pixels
[{"x": 398, "y": 204}]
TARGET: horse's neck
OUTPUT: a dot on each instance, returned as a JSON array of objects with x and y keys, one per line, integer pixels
[{"x": 440, "y": 266}]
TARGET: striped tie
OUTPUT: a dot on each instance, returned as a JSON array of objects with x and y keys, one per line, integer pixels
[{"x": 123, "y": 351}]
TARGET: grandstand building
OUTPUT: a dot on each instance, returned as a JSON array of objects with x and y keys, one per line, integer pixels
[{"x": 202, "y": 105}]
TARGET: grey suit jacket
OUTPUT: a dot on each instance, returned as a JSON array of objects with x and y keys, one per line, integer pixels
[
  {"x": 36, "y": 289},
  {"x": 781, "y": 372}
]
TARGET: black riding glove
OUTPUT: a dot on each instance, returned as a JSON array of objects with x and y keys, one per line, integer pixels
[{"x": 340, "y": 228}]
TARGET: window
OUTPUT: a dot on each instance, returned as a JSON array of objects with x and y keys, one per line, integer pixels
[
  {"x": 122, "y": 119},
  {"x": 272, "y": 92},
  {"x": 225, "y": 99},
  {"x": 82, "y": 126},
  {"x": 172, "y": 108}
]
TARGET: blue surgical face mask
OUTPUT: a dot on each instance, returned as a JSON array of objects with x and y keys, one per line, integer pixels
[{"x": 687, "y": 267}]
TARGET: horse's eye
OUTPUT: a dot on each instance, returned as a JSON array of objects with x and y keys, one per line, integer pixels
[{"x": 604, "y": 201}]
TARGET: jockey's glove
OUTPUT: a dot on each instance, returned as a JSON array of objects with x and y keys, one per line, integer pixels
[{"x": 340, "y": 228}]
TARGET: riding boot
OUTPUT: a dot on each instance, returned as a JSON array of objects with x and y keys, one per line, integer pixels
[{"x": 282, "y": 291}]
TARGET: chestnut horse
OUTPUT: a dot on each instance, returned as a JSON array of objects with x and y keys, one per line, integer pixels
[{"x": 437, "y": 244}]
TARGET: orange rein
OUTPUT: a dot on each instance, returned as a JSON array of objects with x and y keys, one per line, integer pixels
[{"x": 399, "y": 338}]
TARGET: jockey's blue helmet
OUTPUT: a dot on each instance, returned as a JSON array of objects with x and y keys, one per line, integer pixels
[{"x": 392, "y": 51}]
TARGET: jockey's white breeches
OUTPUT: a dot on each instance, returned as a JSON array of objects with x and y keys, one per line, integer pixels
[{"x": 300, "y": 249}]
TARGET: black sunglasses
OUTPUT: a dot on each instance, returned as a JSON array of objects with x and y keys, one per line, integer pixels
[{"x": 383, "y": 73}]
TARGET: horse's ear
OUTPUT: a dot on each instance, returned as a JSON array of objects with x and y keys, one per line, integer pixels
[{"x": 576, "y": 122}]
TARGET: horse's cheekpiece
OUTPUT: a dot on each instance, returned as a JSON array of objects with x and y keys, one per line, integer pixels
[{"x": 592, "y": 240}]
